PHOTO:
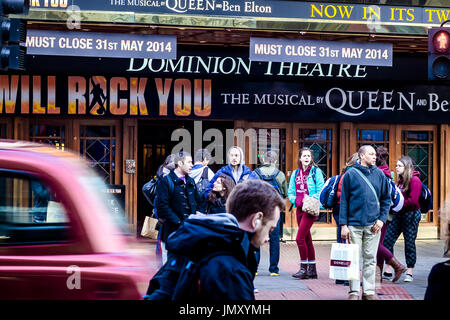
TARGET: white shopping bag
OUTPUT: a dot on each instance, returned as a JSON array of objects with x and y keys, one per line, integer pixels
[{"x": 344, "y": 261}]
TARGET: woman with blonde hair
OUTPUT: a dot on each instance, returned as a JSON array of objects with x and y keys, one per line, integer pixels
[
  {"x": 306, "y": 180},
  {"x": 407, "y": 220}
]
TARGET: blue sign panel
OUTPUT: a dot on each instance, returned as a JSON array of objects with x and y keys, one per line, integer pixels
[
  {"x": 107, "y": 45},
  {"x": 372, "y": 15},
  {"x": 310, "y": 51}
]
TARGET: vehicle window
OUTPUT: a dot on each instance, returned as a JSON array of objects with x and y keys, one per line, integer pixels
[{"x": 30, "y": 212}]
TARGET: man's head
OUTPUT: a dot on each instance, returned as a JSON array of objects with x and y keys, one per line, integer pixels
[
  {"x": 368, "y": 156},
  {"x": 271, "y": 157},
  {"x": 256, "y": 205},
  {"x": 183, "y": 162},
  {"x": 203, "y": 156},
  {"x": 235, "y": 155}
]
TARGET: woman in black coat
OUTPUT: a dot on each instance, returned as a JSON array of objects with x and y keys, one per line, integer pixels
[{"x": 215, "y": 202}]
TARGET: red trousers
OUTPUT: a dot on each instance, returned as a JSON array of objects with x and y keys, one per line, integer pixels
[{"x": 304, "y": 239}]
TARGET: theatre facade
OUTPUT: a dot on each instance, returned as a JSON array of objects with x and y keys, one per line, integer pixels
[{"x": 125, "y": 115}]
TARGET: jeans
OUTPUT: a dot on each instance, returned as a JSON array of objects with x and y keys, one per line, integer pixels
[
  {"x": 274, "y": 249},
  {"x": 383, "y": 255},
  {"x": 304, "y": 238},
  {"x": 368, "y": 244}
]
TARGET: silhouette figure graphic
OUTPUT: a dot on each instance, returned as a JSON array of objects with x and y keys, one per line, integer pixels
[{"x": 99, "y": 98}]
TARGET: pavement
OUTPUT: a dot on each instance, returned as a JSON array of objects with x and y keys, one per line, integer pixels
[{"x": 285, "y": 287}]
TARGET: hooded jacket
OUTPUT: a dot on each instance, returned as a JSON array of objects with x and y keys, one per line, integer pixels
[
  {"x": 314, "y": 188},
  {"x": 412, "y": 196},
  {"x": 224, "y": 277},
  {"x": 243, "y": 173},
  {"x": 358, "y": 203},
  {"x": 197, "y": 171}
]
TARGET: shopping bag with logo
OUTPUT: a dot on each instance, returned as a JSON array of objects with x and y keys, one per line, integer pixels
[
  {"x": 344, "y": 261},
  {"x": 150, "y": 229}
]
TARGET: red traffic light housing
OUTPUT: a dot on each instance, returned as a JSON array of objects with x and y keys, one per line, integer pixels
[{"x": 439, "y": 54}]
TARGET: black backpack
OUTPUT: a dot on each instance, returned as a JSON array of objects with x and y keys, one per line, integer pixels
[
  {"x": 272, "y": 179},
  {"x": 178, "y": 278},
  {"x": 149, "y": 189}
]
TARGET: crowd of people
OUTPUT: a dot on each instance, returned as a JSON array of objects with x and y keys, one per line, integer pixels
[{"x": 216, "y": 222}]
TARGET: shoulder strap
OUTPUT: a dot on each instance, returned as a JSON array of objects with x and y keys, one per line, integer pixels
[
  {"x": 205, "y": 173},
  {"x": 313, "y": 173},
  {"x": 370, "y": 185},
  {"x": 258, "y": 172}
]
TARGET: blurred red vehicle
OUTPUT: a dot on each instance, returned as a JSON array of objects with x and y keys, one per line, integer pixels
[{"x": 58, "y": 237}]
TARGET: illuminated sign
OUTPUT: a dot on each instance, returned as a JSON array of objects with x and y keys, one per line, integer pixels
[{"x": 373, "y": 15}]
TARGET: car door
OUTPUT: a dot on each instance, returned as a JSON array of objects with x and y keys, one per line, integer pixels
[{"x": 41, "y": 256}]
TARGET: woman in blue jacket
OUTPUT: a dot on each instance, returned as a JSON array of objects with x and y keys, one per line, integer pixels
[{"x": 307, "y": 179}]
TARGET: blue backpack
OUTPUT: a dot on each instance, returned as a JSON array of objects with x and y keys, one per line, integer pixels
[
  {"x": 270, "y": 179},
  {"x": 425, "y": 199},
  {"x": 328, "y": 194}
]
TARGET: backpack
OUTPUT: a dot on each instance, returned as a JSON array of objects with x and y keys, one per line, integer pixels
[
  {"x": 270, "y": 179},
  {"x": 328, "y": 194},
  {"x": 179, "y": 278},
  {"x": 397, "y": 199},
  {"x": 149, "y": 190},
  {"x": 425, "y": 199},
  {"x": 203, "y": 182}
]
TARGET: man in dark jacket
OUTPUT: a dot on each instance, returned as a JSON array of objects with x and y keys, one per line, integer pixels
[
  {"x": 365, "y": 204},
  {"x": 255, "y": 210},
  {"x": 177, "y": 198}
]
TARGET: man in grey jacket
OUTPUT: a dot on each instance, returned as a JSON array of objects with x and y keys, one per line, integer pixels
[{"x": 365, "y": 203}]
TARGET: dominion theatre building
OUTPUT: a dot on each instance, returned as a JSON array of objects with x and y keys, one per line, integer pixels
[{"x": 126, "y": 113}]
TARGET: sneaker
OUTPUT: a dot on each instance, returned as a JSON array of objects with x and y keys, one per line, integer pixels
[
  {"x": 387, "y": 276},
  {"x": 408, "y": 278},
  {"x": 353, "y": 297},
  {"x": 274, "y": 274},
  {"x": 256, "y": 291}
]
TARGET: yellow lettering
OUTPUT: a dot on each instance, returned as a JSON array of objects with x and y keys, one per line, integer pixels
[
  {"x": 392, "y": 14},
  {"x": 430, "y": 14},
  {"x": 334, "y": 11},
  {"x": 314, "y": 8},
  {"x": 410, "y": 13},
  {"x": 443, "y": 15},
  {"x": 345, "y": 14}
]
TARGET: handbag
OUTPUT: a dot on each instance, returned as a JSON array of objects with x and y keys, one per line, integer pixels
[
  {"x": 311, "y": 205},
  {"x": 344, "y": 261},
  {"x": 150, "y": 230}
]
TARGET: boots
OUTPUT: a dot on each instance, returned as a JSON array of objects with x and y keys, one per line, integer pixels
[
  {"x": 311, "y": 273},
  {"x": 378, "y": 277},
  {"x": 301, "y": 274},
  {"x": 399, "y": 269}
]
